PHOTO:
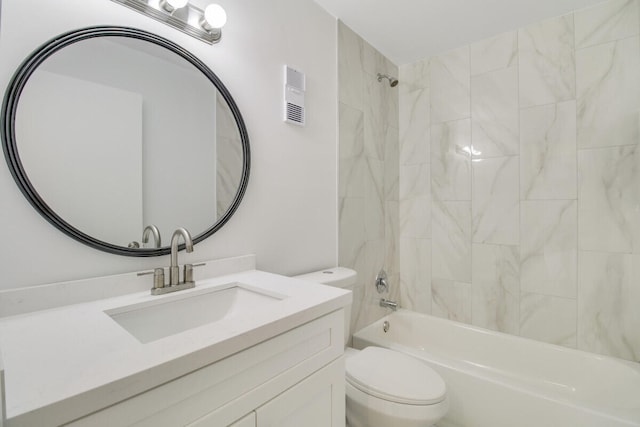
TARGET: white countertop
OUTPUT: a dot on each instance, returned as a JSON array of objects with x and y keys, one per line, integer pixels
[{"x": 64, "y": 362}]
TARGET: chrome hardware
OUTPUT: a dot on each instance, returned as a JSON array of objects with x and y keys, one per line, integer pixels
[
  {"x": 176, "y": 18},
  {"x": 381, "y": 282},
  {"x": 152, "y": 229},
  {"x": 388, "y": 304},
  {"x": 393, "y": 82},
  {"x": 158, "y": 277},
  {"x": 159, "y": 286},
  {"x": 188, "y": 271},
  {"x": 167, "y": 288},
  {"x": 134, "y": 245},
  {"x": 174, "y": 271},
  {"x": 385, "y": 326}
]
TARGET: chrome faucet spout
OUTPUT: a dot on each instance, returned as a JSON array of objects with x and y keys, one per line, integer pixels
[
  {"x": 388, "y": 304},
  {"x": 174, "y": 271},
  {"x": 153, "y": 230}
]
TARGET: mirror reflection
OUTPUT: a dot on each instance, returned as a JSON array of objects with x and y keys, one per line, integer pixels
[{"x": 116, "y": 134}]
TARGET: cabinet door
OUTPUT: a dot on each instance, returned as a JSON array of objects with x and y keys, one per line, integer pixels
[
  {"x": 248, "y": 421},
  {"x": 317, "y": 401}
]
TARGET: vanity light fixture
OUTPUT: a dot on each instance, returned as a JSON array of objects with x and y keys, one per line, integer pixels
[
  {"x": 213, "y": 19},
  {"x": 205, "y": 25},
  {"x": 171, "y": 5}
]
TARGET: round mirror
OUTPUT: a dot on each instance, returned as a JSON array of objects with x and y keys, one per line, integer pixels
[{"x": 109, "y": 131}]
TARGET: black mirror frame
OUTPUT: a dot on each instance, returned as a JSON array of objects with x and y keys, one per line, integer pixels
[{"x": 9, "y": 145}]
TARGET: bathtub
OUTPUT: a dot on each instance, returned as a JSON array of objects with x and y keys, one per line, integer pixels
[{"x": 500, "y": 380}]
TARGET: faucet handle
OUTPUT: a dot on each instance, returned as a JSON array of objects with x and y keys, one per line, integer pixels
[
  {"x": 188, "y": 271},
  {"x": 158, "y": 276},
  {"x": 381, "y": 282}
]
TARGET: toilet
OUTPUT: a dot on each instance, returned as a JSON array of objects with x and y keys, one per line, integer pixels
[{"x": 384, "y": 387}]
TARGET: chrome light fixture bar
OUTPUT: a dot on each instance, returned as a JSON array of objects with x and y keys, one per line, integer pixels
[{"x": 205, "y": 25}]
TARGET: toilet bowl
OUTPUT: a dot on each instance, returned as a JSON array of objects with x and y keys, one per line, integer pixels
[
  {"x": 384, "y": 387},
  {"x": 389, "y": 388}
]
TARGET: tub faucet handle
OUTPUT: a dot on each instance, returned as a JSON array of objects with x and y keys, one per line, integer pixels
[{"x": 381, "y": 282}]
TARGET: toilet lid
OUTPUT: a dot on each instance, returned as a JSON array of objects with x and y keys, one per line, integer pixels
[{"x": 394, "y": 376}]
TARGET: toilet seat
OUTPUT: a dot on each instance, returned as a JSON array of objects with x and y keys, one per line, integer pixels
[{"x": 394, "y": 377}]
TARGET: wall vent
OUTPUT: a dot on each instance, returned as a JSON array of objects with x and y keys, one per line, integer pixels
[{"x": 294, "y": 87}]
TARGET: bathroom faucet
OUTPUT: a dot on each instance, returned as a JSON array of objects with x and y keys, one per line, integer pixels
[
  {"x": 159, "y": 286},
  {"x": 174, "y": 271},
  {"x": 153, "y": 230},
  {"x": 388, "y": 304}
]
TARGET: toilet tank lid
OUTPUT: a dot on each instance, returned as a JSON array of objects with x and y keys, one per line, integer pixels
[{"x": 340, "y": 277}]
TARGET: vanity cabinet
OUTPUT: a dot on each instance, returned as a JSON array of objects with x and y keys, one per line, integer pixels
[
  {"x": 247, "y": 421},
  {"x": 293, "y": 379},
  {"x": 317, "y": 401}
]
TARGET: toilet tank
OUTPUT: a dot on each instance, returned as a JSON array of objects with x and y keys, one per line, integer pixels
[{"x": 340, "y": 277}]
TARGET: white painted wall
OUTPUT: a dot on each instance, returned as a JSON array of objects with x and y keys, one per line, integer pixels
[{"x": 288, "y": 217}]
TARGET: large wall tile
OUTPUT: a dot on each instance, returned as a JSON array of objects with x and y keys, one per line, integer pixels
[
  {"x": 496, "y": 208},
  {"x": 494, "y": 112},
  {"x": 608, "y": 315},
  {"x": 414, "y": 180},
  {"x": 374, "y": 62},
  {"x": 494, "y": 53},
  {"x": 549, "y": 247},
  {"x": 352, "y": 177},
  {"x": 609, "y": 199},
  {"x": 351, "y": 132},
  {"x": 548, "y": 319},
  {"x": 548, "y": 158},
  {"x": 391, "y": 165},
  {"x": 496, "y": 288},
  {"x": 391, "y": 99},
  {"x": 416, "y": 73},
  {"x": 451, "y": 258},
  {"x": 609, "y": 94},
  {"x": 414, "y": 124},
  {"x": 451, "y": 300},
  {"x": 605, "y": 22},
  {"x": 375, "y": 118},
  {"x": 392, "y": 236},
  {"x": 546, "y": 62},
  {"x": 415, "y": 217},
  {"x": 450, "y": 86},
  {"x": 374, "y": 199},
  {"x": 352, "y": 233},
  {"x": 415, "y": 275},
  {"x": 451, "y": 160},
  {"x": 350, "y": 67}
]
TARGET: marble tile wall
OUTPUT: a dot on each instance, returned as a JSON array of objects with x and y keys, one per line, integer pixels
[
  {"x": 519, "y": 180},
  {"x": 369, "y": 174}
]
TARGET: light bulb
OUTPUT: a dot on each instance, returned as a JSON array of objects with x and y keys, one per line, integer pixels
[
  {"x": 171, "y": 5},
  {"x": 214, "y": 17}
]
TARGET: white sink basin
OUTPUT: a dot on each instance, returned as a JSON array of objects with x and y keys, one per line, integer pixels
[{"x": 169, "y": 315}]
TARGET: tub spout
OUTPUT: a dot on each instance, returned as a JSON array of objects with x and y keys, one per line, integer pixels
[{"x": 388, "y": 304}]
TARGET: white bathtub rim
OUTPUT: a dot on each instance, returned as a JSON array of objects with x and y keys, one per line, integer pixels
[{"x": 631, "y": 364}]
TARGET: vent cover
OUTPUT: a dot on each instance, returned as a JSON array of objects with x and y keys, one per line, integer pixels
[{"x": 294, "y": 87}]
